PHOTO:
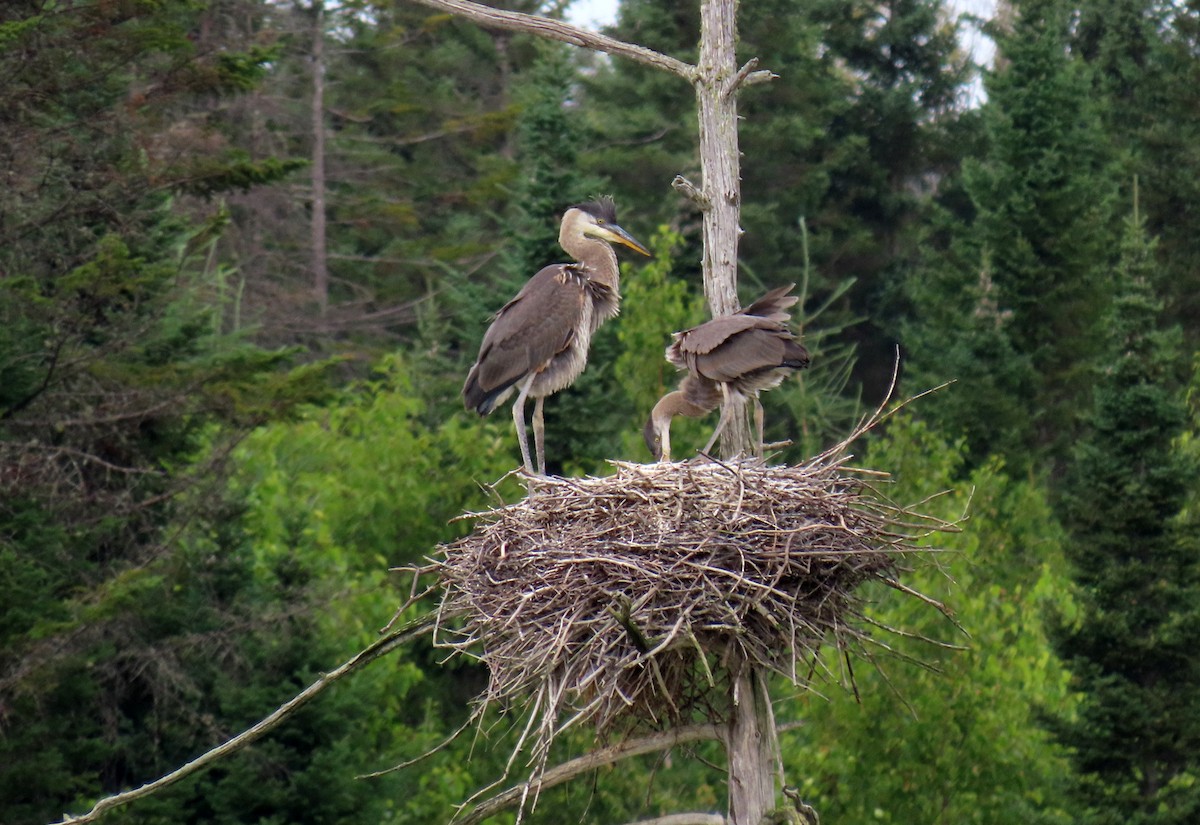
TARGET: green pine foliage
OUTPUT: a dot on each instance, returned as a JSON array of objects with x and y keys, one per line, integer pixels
[
  {"x": 1144, "y": 66},
  {"x": 120, "y": 396},
  {"x": 960, "y": 333},
  {"x": 1012, "y": 310},
  {"x": 547, "y": 141},
  {"x": 1133, "y": 554},
  {"x": 419, "y": 118},
  {"x": 947, "y": 734}
]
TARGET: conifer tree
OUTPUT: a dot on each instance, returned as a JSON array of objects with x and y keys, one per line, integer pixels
[
  {"x": 1133, "y": 651},
  {"x": 116, "y": 379},
  {"x": 419, "y": 170},
  {"x": 1011, "y": 308},
  {"x": 1145, "y": 67},
  {"x": 547, "y": 154}
]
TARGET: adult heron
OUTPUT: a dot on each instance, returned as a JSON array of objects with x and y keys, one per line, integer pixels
[
  {"x": 736, "y": 355},
  {"x": 538, "y": 342}
]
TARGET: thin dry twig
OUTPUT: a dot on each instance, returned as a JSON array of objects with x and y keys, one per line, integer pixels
[{"x": 590, "y": 761}]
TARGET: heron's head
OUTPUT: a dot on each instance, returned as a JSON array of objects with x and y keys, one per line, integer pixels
[
  {"x": 597, "y": 219},
  {"x": 657, "y": 432},
  {"x": 652, "y": 433}
]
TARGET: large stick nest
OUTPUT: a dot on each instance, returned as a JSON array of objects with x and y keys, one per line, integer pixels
[{"x": 628, "y": 599}]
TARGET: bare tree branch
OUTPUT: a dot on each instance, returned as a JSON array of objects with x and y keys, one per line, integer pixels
[
  {"x": 732, "y": 84},
  {"x": 10, "y": 411},
  {"x": 589, "y": 761},
  {"x": 761, "y": 76},
  {"x": 382, "y": 647},
  {"x": 564, "y": 32},
  {"x": 683, "y": 819},
  {"x": 747, "y": 76},
  {"x": 688, "y": 189}
]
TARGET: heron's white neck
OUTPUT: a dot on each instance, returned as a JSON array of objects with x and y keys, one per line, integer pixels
[
  {"x": 597, "y": 256},
  {"x": 677, "y": 403},
  {"x": 670, "y": 405}
]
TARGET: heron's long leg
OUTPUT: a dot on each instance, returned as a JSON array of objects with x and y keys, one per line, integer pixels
[
  {"x": 725, "y": 406},
  {"x": 518, "y": 411},
  {"x": 759, "y": 417},
  {"x": 539, "y": 436},
  {"x": 717, "y": 432}
]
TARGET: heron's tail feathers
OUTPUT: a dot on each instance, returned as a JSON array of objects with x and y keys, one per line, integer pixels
[
  {"x": 795, "y": 355},
  {"x": 482, "y": 401},
  {"x": 774, "y": 305}
]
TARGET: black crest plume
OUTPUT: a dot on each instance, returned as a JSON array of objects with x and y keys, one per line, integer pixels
[{"x": 602, "y": 208}]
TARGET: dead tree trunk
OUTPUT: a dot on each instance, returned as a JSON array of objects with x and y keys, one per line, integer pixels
[
  {"x": 751, "y": 748},
  {"x": 716, "y": 95},
  {"x": 320, "y": 260}
]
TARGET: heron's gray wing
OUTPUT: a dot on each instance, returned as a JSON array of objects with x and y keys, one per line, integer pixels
[
  {"x": 768, "y": 313},
  {"x": 531, "y": 328},
  {"x": 708, "y": 336},
  {"x": 742, "y": 354}
]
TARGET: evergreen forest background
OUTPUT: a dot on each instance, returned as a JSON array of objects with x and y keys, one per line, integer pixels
[{"x": 247, "y": 252}]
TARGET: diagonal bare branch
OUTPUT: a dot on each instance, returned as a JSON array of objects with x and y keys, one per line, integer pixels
[
  {"x": 382, "y": 647},
  {"x": 564, "y": 32}
]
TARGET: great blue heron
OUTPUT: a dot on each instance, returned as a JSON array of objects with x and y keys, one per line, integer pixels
[
  {"x": 538, "y": 342},
  {"x": 739, "y": 355}
]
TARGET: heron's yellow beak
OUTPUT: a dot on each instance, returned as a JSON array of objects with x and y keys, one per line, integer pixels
[{"x": 614, "y": 234}]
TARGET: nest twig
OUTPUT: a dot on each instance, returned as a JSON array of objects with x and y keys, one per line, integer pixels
[{"x": 626, "y": 600}]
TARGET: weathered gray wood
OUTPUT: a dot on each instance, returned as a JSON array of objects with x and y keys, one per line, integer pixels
[
  {"x": 753, "y": 751},
  {"x": 683, "y": 819},
  {"x": 721, "y": 184},
  {"x": 558, "y": 30},
  {"x": 719, "y": 164}
]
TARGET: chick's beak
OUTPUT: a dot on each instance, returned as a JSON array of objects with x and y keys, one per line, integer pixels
[{"x": 615, "y": 234}]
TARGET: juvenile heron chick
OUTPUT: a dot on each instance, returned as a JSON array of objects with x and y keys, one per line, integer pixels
[
  {"x": 538, "y": 342},
  {"x": 733, "y": 355}
]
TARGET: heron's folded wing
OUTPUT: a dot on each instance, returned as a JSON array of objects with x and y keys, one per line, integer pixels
[
  {"x": 532, "y": 328},
  {"x": 712, "y": 334},
  {"x": 743, "y": 354}
]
